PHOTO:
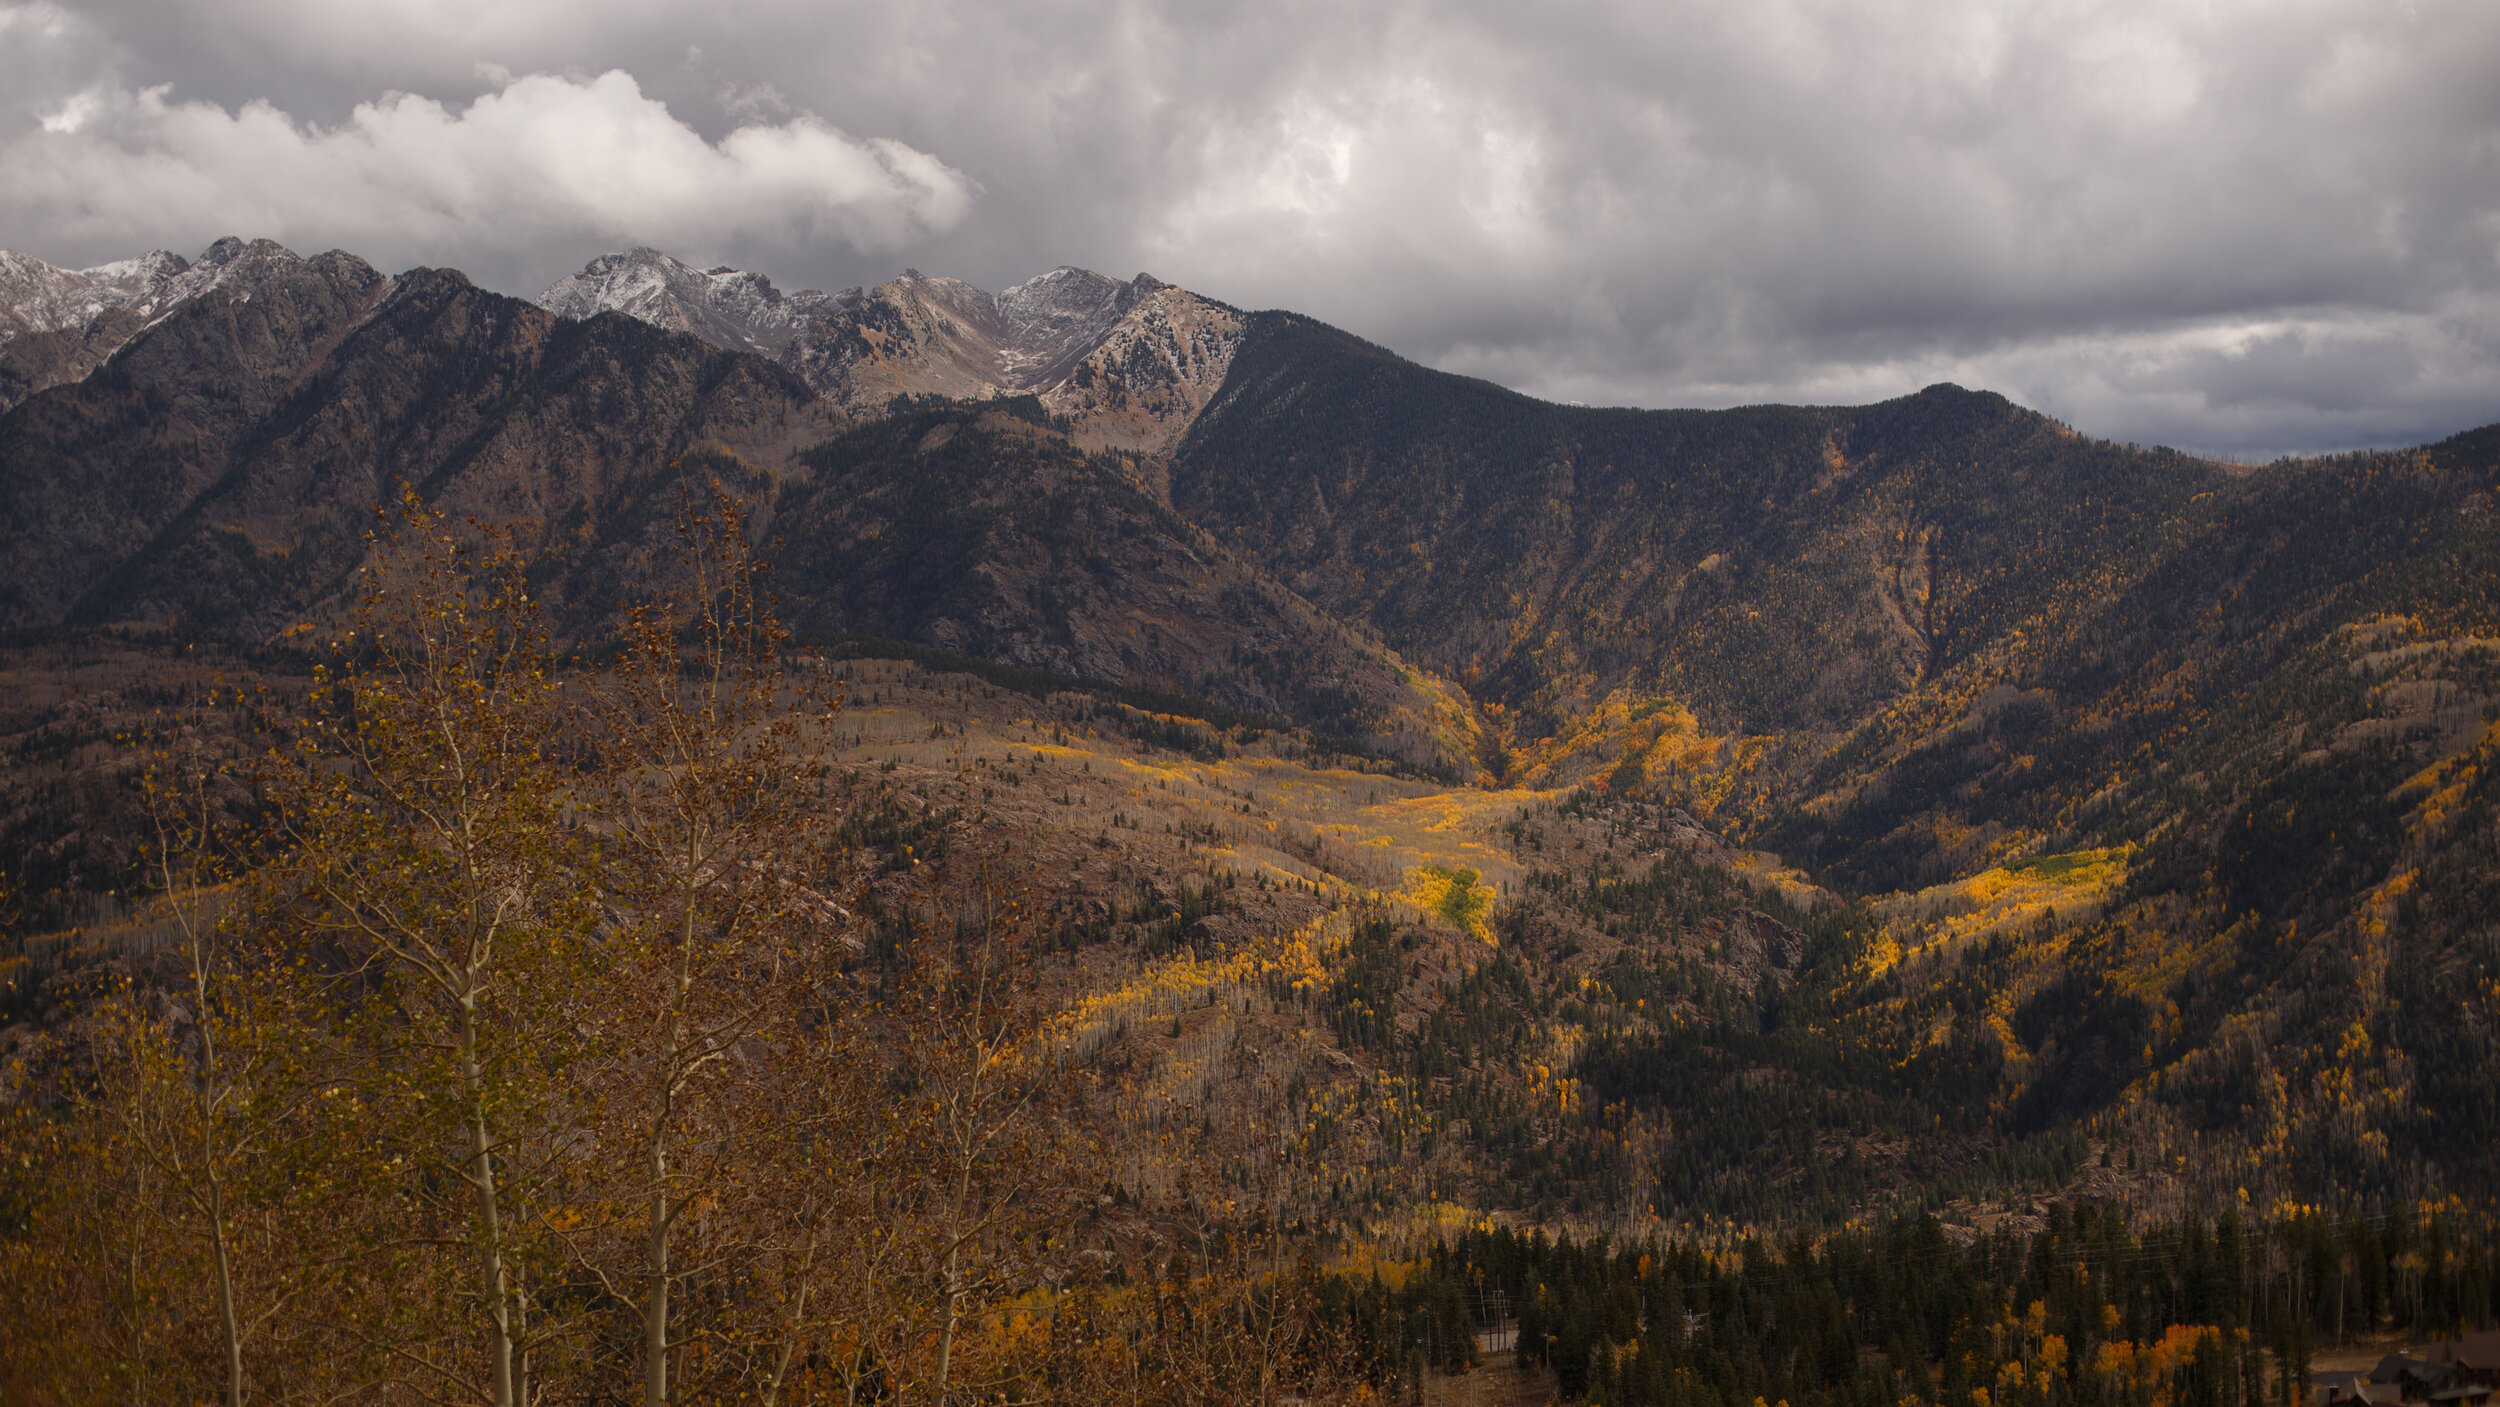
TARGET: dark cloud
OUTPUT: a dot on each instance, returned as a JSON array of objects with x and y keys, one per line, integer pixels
[{"x": 2239, "y": 227}]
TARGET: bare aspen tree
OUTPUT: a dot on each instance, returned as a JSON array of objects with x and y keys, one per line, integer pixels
[
  {"x": 833, "y": 1257},
  {"x": 921, "y": 1166},
  {"x": 183, "y": 810},
  {"x": 977, "y": 1101},
  {"x": 87, "y": 1283},
  {"x": 713, "y": 828},
  {"x": 431, "y": 820}
]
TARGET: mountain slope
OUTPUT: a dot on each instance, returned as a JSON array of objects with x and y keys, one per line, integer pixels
[
  {"x": 1903, "y": 787},
  {"x": 489, "y": 407},
  {"x": 90, "y": 472},
  {"x": 220, "y": 477},
  {"x": 1777, "y": 567},
  {"x": 56, "y": 325},
  {"x": 991, "y": 535},
  {"x": 2167, "y": 785}
]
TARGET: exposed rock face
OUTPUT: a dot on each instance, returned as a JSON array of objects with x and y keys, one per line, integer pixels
[
  {"x": 1143, "y": 383},
  {"x": 1128, "y": 365}
]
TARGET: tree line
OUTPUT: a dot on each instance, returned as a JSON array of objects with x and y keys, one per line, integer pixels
[{"x": 2087, "y": 1306}]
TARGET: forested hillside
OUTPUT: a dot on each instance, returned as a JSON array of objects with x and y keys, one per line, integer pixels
[{"x": 2160, "y": 782}]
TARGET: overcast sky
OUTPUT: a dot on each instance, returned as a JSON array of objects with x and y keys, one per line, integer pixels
[{"x": 2231, "y": 226}]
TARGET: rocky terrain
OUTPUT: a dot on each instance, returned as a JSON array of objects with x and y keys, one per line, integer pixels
[{"x": 220, "y": 474}]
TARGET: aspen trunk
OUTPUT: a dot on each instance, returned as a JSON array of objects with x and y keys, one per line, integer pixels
[
  {"x": 954, "y": 1275},
  {"x": 672, "y": 1045},
  {"x": 204, "y": 1092},
  {"x": 655, "y": 1308},
  {"x": 130, "y": 1301},
  {"x": 493, "y": 1277},
  {"x": 789, "y": 1344},
  {"x": 228, "y": 1318},
  {"x": 790, "y": 1324},
  {"x": 225, "y": 1290}
]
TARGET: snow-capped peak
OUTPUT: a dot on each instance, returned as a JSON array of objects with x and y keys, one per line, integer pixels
[
  {"x": 89, "y": 313},
  {"x": 36, "y": 296}
]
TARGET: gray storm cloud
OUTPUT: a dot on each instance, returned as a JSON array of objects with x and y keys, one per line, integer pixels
[
  {"x": 543, "y": 161},
  {"x": 2238, "y": 227}
]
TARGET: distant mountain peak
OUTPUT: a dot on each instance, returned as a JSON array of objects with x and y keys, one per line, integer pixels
[
  {"x": 1129, "y": 364},
  {"x": 36, "y": 296},
  {"x": 722, "y": 305}
]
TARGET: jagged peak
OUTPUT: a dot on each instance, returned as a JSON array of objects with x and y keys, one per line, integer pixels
[{"x": 233, "y": 249}]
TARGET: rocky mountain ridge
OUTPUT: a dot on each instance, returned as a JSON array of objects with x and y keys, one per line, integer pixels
[
  {"x": 58, "y": 324},
  {"x": 723, "y": 306},
  {"x": 1126, "y": 365}
]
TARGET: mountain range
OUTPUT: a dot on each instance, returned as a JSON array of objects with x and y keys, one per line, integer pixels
[{"x": 2119, "y": 787}]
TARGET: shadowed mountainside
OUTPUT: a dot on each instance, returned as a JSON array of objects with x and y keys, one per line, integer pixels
[
  {"x": 2168, "y": 783},
  {"x": 1776, "y": 566},
  {"x": 983, "y": 532}
]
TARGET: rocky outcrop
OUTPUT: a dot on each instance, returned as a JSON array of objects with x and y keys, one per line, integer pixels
[{"x": 723, "y": 306}]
